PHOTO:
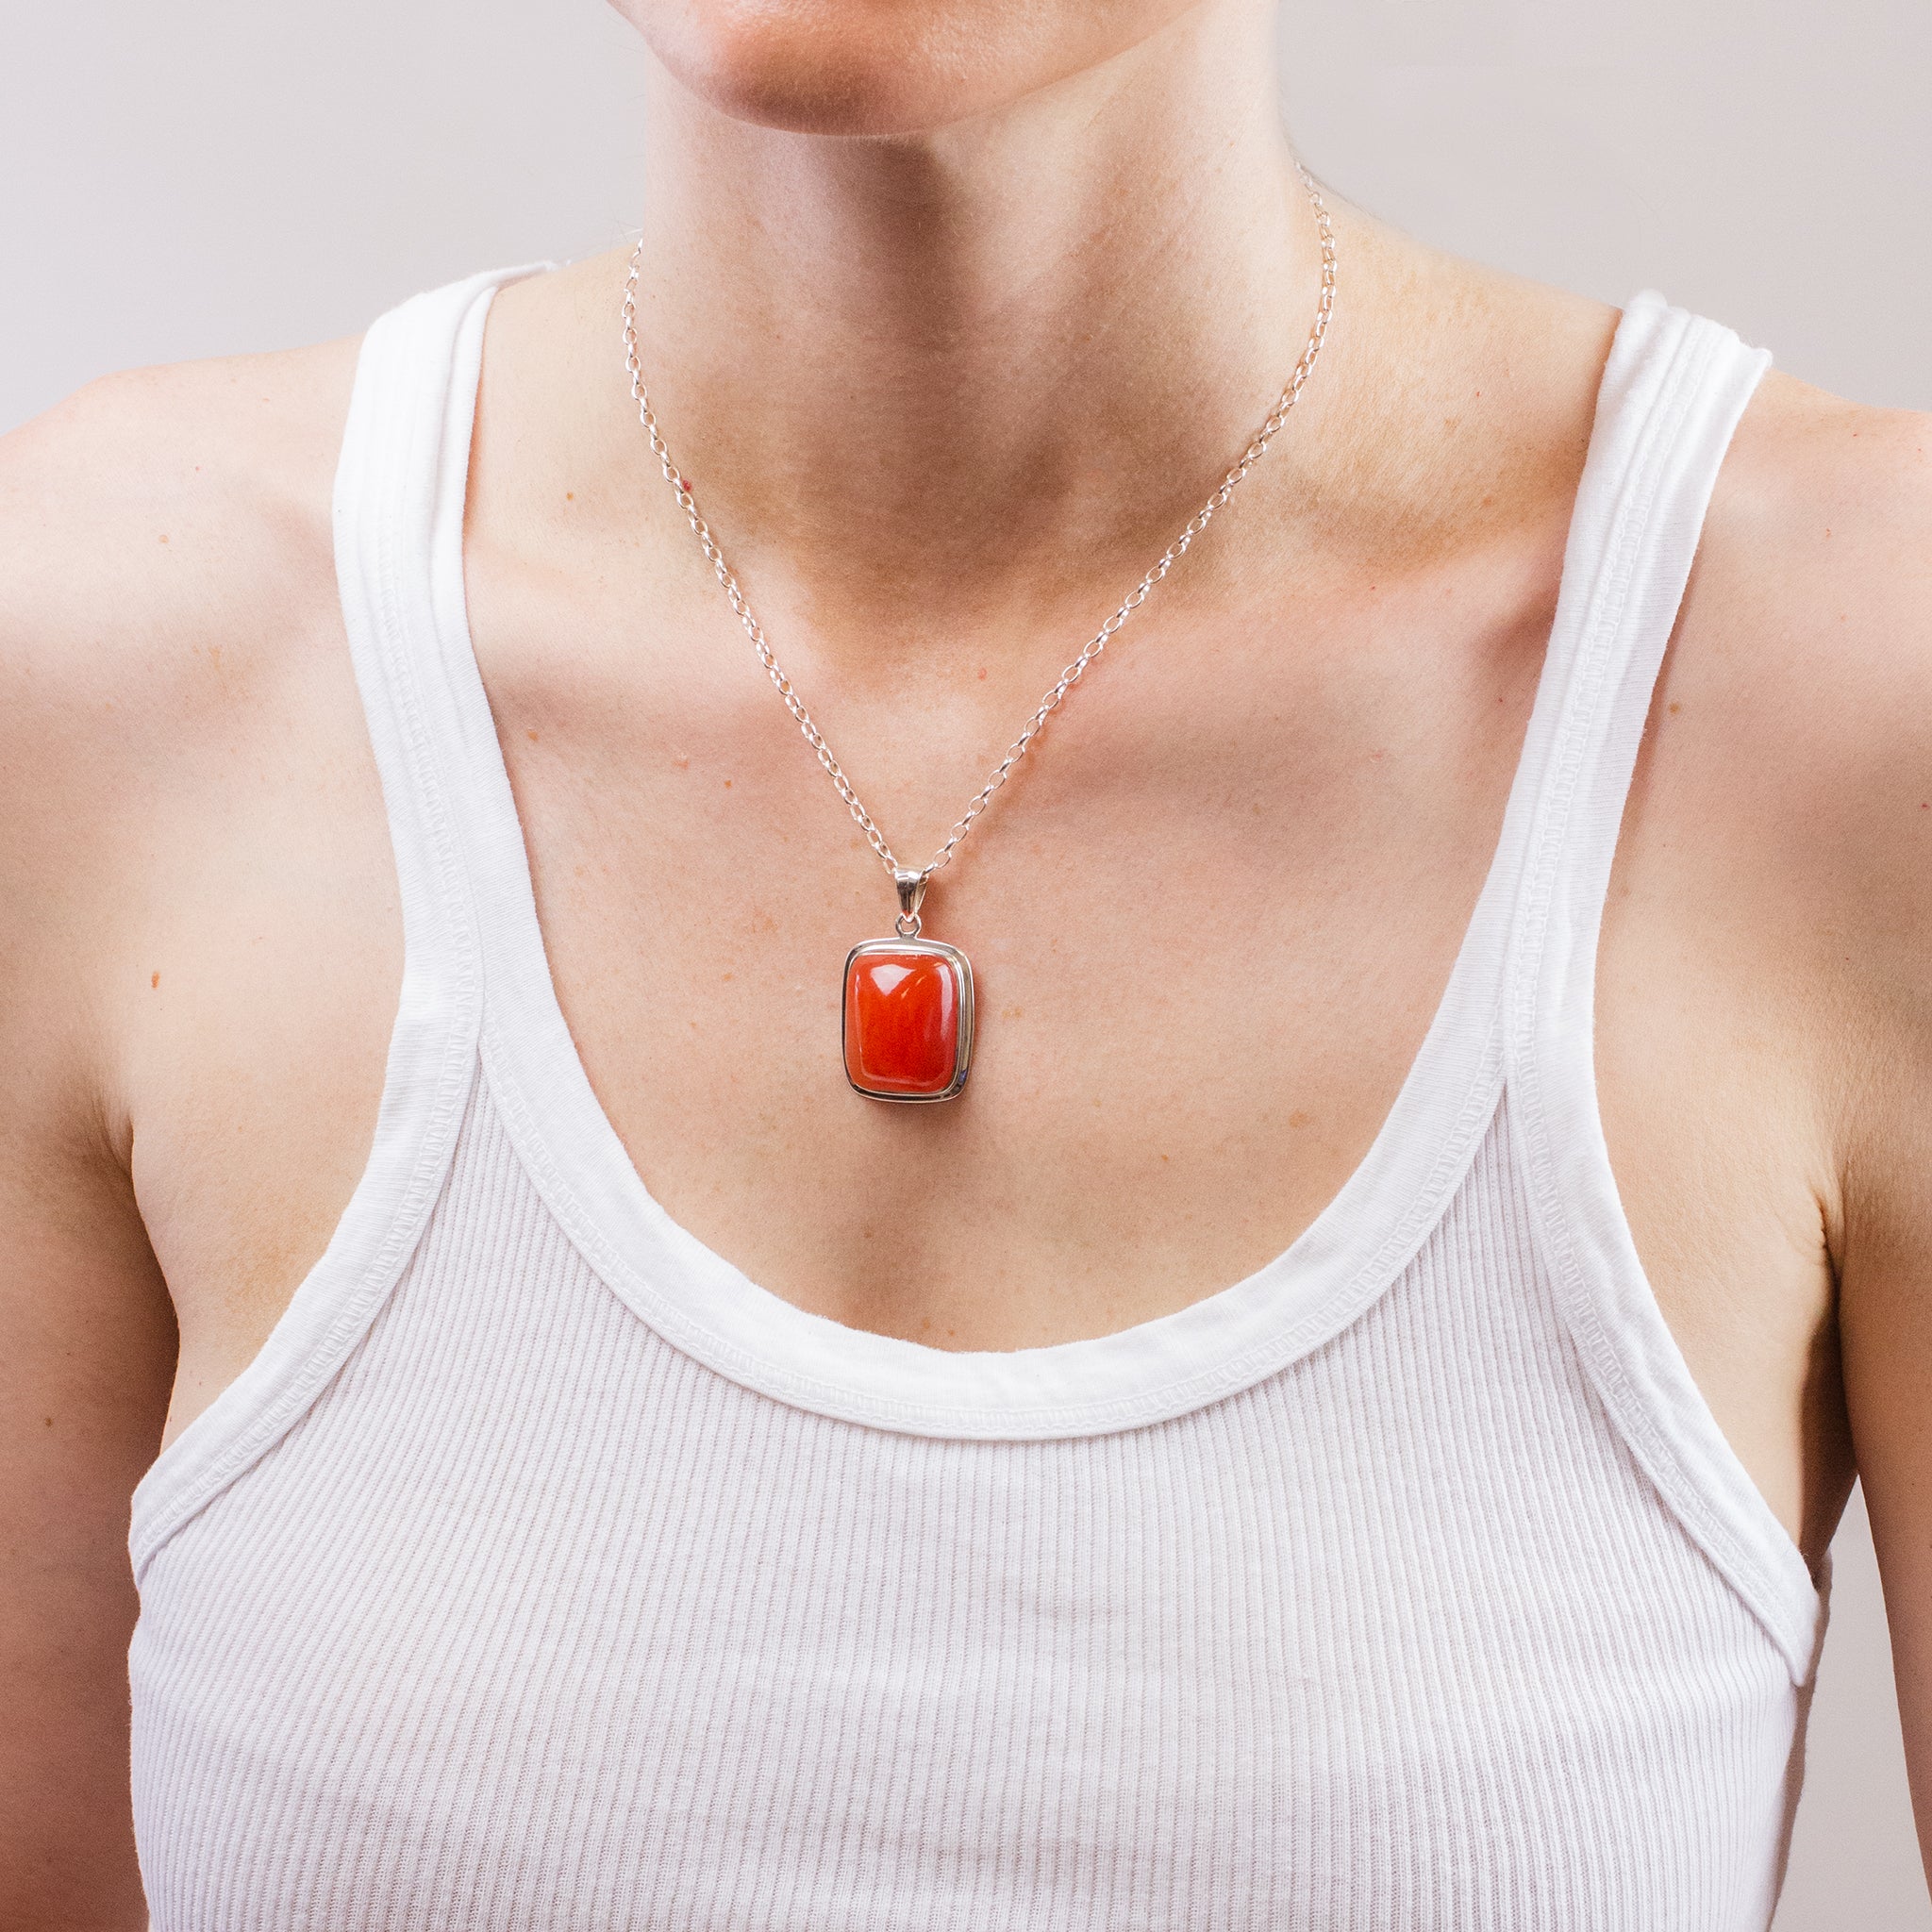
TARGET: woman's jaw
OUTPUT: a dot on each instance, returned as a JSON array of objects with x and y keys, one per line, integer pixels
[{"x": 886, "y": 67}]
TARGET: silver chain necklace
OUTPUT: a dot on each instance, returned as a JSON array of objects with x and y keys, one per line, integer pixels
[{"x": 908, "y": 1013}]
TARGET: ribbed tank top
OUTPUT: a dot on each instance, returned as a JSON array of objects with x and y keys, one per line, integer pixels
[{"x": 544, "y": 1571}]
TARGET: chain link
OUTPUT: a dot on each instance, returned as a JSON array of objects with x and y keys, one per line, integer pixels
[{"x": 1257, "y": 449}]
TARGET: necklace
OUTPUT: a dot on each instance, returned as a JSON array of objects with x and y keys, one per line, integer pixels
[{"x": 906, "y": 1016}]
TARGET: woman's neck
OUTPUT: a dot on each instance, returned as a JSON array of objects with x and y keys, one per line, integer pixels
[{"x": 988, "y": 365}]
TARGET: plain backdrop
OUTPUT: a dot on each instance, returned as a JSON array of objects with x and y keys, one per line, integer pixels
[{"x": 213, "y": 176}]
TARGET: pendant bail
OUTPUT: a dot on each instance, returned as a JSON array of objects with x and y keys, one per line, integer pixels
[{"x": 912, "y": 887}]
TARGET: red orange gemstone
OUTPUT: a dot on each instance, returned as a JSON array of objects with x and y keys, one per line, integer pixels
[{"x": 904, "y": 1009}]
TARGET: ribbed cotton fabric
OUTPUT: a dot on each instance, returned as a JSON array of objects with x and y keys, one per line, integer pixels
[{"x": 544, "y": 1573}]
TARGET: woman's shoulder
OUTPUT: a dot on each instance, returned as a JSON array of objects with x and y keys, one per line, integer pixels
[
  {"x": 1788, "y": 787},
  {"x": 166, "y": 535},
  {"x": 1813, "y": 579},
  {"x": 167, "y": 604},
  {"x": 156, "y": 502},
  {"x": 1783, "y": 810},
  {"x": 1811, "y": 606}
]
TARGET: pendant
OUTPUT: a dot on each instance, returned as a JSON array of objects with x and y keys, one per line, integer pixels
[{"x": 908, "y": 1014}]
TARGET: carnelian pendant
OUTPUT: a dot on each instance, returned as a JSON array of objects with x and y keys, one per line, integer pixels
[{"x": 907, "y": 1012}]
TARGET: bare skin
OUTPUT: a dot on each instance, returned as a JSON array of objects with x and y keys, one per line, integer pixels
[{"x": 944, "y": 402}]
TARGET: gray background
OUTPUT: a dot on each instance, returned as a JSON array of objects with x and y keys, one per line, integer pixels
[{"x": 216, "y": 176}]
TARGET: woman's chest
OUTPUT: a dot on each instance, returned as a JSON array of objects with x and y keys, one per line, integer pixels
[
  {"x": 1208, "y": 940},
  {"x": 532, "y": 1619}
]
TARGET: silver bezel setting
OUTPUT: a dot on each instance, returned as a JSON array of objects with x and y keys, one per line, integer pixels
[{"x": 962, "y": 1054}]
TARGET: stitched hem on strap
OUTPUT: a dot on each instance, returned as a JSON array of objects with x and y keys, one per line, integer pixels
[
  {"x": 1680, "y": 385},
  {"x": 398, "y": 444}
]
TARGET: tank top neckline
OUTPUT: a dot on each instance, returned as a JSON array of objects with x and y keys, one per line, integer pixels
[
  {"x": 478, "y": 1022},
  {"x": 710, "y": 1307}
]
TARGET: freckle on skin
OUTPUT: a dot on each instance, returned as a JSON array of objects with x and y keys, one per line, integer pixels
[
  {"x": 727, "y": 784},
  {"x": 532, "y": 736},
  {"x": 164, "y": 539},
  {"x": 154, "y": 979},
  {"x": 1299, "y": 1119},
  {"x": 1675, "y": 707}
]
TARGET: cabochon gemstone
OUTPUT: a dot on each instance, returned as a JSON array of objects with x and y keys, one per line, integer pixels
[{"x": 902, "y": 1023}]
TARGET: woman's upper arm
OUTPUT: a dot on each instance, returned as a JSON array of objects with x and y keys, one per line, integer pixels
[
  {"x": 1871, "y": 708},
  {"x": 87, "y": 1339},
  {"x": 1885, "y": 1321},
  {"x": 85, "y": 1359}
]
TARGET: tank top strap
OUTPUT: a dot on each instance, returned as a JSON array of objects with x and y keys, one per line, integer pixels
[
  {"x": 401, "y": 488},
  {"x": 399, "y": 483},
  {"x": 1673, "y": 393}
]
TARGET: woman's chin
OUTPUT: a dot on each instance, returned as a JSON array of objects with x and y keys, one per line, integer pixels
[
  {"x": 883, "y": 67},
  {"x": 836, "y": 69}
]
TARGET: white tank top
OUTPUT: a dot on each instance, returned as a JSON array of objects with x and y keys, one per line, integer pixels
[{"x": 544, "y": 1571}]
